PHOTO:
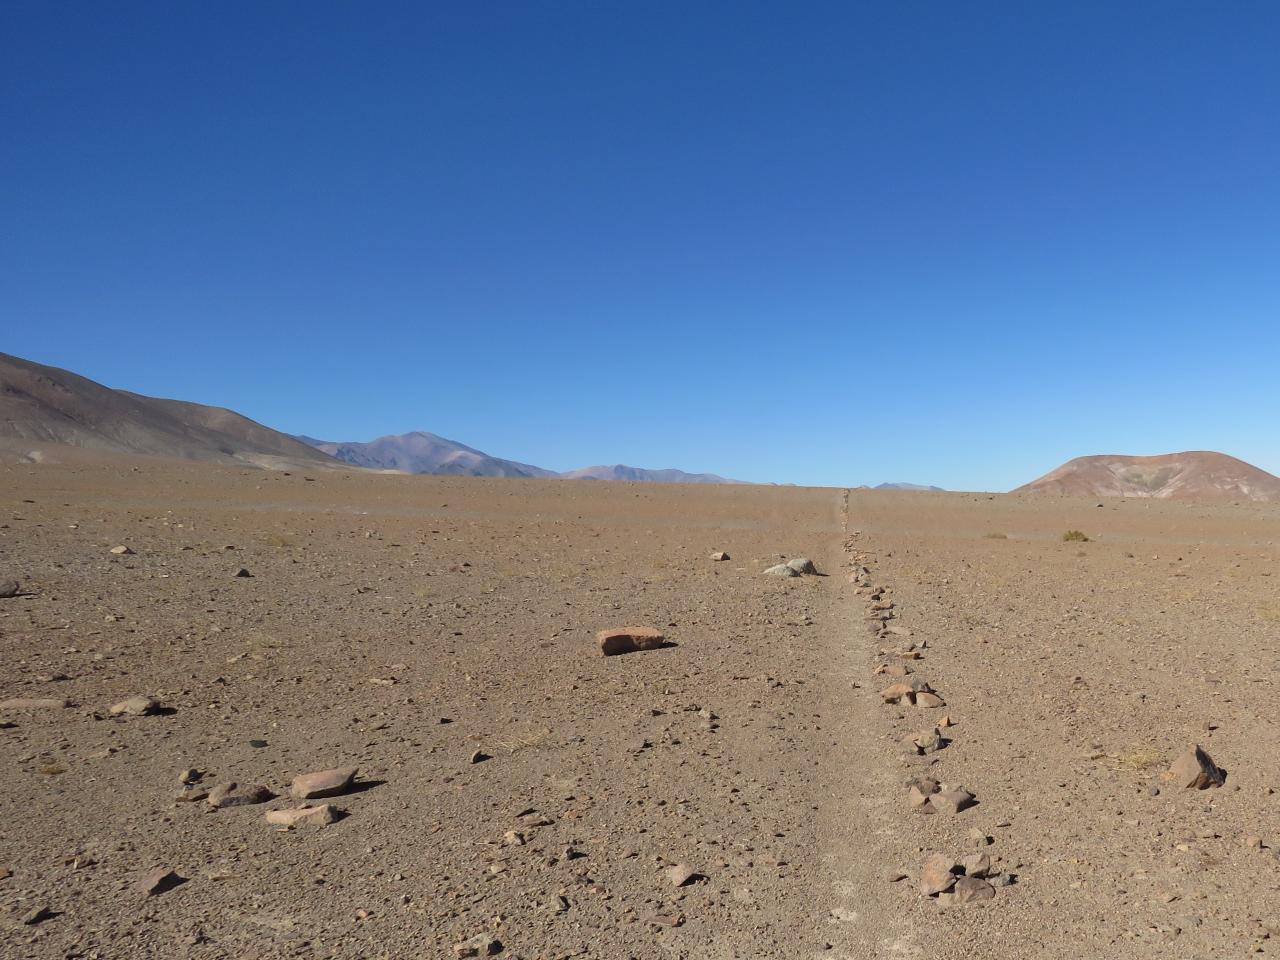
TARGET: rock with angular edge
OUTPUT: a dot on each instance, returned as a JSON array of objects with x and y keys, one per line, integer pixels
[
  {"x": 9, "y": 588},
  {"x": 976, "y": 865},
  {"x": 952, "y": 801},
  {"x": 937, "y": 874},
  {"x": 1195, "y": 770},
  {"x": 929, "y": 700},
  {"x": 319, "y": 816},
  {"x": 324, "y": 783},
  {"x": 930, "y": 741},
  {"x": 138, "y": 706},
  {"x": 781, "y": 570},
  {"x": 238, "y": 795},
  {"x": 969, "y": 890},
  {"x": 481, "y": 945},
  {"x": 628, "y": 640},
  {"x": 122, "y": 551},
  {"x": 680, "y": 874},
  {"x": 160, "y": 880},
  {"x": 803, "y": 565},
  {"x": 719, "y": 556}
]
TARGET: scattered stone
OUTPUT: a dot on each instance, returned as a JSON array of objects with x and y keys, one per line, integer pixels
[
  {"x": 667, "y": 919},
  {"x": 33, "y": 703},
  {"x": 9, "y": 589},
  {"x": 680, "y": 874},
  {"x": 1253, "y": 843},
  {"x": 238, "y": 795},
  {"x": 325, "y": 783},
  {"x": 929, "y": 742},
  {"x": 1194, "y": 770},
  {"x": 481, "y": 945},
  {"x": 952, "y": 801},
  {"x": 122, "y": 551},
  {"x": 897, "y": 693},
  {"x": 243, "y": 573},
  {"x": 976, "y": 865},
  {"x": 969, "y": 890},
  {"x": 893, "y": 876},
  {"x": 138, "y": 706},
  {"x": 160, "y": 880},
  {"x": 191, "y": 793},
  {"x": 979, "y": 838},
  {"x": 921, "y": 793},
  {"x": 38, "y": 915},
  {"x": 320, "y": 816},
  {"x": 479, "y": 756},
  {"x": 719, "y": 556},
  {"x": 628, "y": 640},
  {"x": 803, "y": 565},
  {"x": 929, "y": 700},
  {"x": 190, "y": 775},
  {"x": 937, "y": 874},
  {"x": 781, "y": 570}
]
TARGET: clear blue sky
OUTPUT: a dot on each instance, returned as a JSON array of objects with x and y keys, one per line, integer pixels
[{"x": 951, "y": 243}]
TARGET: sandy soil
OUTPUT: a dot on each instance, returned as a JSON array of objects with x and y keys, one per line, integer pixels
[{"x": 755, "y": 750}]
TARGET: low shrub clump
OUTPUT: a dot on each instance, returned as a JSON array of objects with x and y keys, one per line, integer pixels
[{"x": 1074, "y": 536}]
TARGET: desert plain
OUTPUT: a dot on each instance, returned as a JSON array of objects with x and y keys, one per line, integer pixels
[{"x": 742, "y": 792}]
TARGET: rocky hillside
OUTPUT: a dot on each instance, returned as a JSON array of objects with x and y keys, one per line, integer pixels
[
  {"x": 46, "y": 405},
  {"x": 1196, "y": 475}
]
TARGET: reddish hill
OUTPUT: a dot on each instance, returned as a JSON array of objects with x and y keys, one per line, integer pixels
[{"x": 1196, "y": 475}]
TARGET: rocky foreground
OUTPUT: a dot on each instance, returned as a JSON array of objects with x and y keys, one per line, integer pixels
[{"x": 253, "y": 714}]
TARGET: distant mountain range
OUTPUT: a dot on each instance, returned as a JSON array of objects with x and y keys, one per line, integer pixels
[
  {"x": 47, "y": 405},
  {"x": 1195, "y": 475},
  {"x": 420, "y": 452}
]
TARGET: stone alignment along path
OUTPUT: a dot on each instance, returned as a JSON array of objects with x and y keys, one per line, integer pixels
[{"x": 1077, "y": 673}]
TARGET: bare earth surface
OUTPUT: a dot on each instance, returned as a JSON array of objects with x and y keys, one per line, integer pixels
[{"x": 755, "y": 750}]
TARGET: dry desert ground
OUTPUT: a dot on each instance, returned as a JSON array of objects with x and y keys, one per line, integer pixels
[{"x": 742, "y": 792}]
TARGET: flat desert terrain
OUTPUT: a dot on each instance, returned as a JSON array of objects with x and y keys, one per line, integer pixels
[{"x": 742, "y": 792}]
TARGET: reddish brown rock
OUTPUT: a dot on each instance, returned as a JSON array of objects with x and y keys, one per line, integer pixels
[
  {"x": 937, "y": 874},
  {"x": 929, "y": 700},
  {"x": 952, "y": 801},
  {"x": 976, "y": 865},
  {"x": 1195, "y": 770},
  {"x": 969, "y": 890},
  {"x": 628, "y": 640}
]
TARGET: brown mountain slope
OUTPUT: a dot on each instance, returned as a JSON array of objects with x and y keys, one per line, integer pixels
[
  {"x": 1195, "y": 475},
  {"x": 47, "y": 405}
]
